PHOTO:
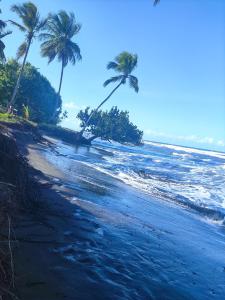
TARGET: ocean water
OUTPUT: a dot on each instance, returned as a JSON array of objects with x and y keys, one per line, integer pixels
[
  {"x": 148, "y": 221},
  {"x": 186, "y": 176}
]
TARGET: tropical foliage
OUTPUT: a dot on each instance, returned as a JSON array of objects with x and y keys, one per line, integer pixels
[
  {"x": 35, "y": 92},
  {"x": 124, "y": 64},
  {"x": 25, "y": 91},
  {"x": 31, "y": 26},
  {"x": 110, "y": 125}
]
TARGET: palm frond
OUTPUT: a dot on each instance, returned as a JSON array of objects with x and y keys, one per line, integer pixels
[
  {"x": 45, "y": 36},
  {"x": 21, "y": 50},
  {"x": 74, "y": 29},
  {"x": 2, "y": 35},
  {"x": 112, "y": 65},
  {"x": 2, "y": 24},
  {"x": 22, "y": 28},
  {"x": 17, "y": 9},
  {"x": 76, "y": 50},
  {"x": 113, "y": 79},
  {"x": 47, "y": 50},
  {"x": 133, "y": 81},
  {"x": 41, "y": 24},
  {"x": 156, "y": 2}
]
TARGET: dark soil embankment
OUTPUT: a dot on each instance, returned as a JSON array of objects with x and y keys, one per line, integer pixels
[
  {"x": 16, "y": 192},
  {"x": 22, "y": 212}
]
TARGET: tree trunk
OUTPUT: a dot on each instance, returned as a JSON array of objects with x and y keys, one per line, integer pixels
[
  {"x": 100, "y": 105},
  {"x": 12, "y": 101},
  {"x": 92, "y": 138},
  {"x": 59, "y": 91},
  {"x": 61, "y": 78}
]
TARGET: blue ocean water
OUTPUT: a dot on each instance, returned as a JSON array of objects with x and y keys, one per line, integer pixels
[
  {"x": 131, "y": 238},
  {"x": 189, "y": 176}
]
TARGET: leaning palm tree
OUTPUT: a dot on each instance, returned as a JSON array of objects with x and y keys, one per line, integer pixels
[
  {"x": 124, "y": 63},
  {"x": 58, "y": 42},
  {"x": 31, "y": 26}
]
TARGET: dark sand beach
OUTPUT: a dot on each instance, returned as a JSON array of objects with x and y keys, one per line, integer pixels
[{"x": 92, "y": 236}]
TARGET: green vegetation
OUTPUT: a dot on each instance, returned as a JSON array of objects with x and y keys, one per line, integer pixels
[
  {"x": 24, "y": 92},
  {"x": 124, "y": 64},
  {"x": 7, "y": 118},
  {"x": 110, "y": 125},
  {"x": 35, "y": 92},
  {"x": 10, "y": 120},
  {"x": 26, "y": 112}
]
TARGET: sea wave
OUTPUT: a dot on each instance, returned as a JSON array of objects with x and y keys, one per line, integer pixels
[
  {"x": 190, "y": 177},
  {"x": 189, "y": 150}
]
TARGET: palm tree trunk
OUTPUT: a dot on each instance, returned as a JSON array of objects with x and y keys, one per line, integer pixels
[
  {"x": 59, "y": 91},
  {"x": 61, "y": 78},
  {"x": 100, "y": 105},
  {"x": 12, "y": 101}
]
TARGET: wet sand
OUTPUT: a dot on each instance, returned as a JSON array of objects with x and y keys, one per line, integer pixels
[{"x": 89, "y": 238}]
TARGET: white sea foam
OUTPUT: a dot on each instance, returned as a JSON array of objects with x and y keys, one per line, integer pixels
[{"x": 196, "y": 181}]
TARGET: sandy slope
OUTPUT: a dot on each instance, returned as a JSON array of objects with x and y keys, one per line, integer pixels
[{"x": 83, "y": 242}]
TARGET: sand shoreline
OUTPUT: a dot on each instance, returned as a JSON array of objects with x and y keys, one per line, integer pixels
[{"x": 43, "y": 273}]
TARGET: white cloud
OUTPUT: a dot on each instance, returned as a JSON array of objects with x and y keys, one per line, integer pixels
[
  {"x": 207, "y": 140},
  {"x": 221, "y": 143},
  {"x": 72, "y": 109},
  {"x": 190, "y": 138},
  {"x": 71, "y": 105}
]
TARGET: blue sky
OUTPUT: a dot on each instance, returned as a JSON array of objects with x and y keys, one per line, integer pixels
[{"x": 181, "y": 70}]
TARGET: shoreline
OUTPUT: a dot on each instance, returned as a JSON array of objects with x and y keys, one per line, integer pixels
[{"x": 62, "y": 218}]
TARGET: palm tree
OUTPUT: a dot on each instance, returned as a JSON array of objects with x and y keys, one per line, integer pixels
[
  {"x": 58, "y": 42},
  {"x": 124, "y": 64},
  {"x": 31, "y": 26}
]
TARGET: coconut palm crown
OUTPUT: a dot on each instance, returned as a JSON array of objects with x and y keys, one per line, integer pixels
[
  {"x": 31, "y": 25},
  {"x": 124, "y": 63}
]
